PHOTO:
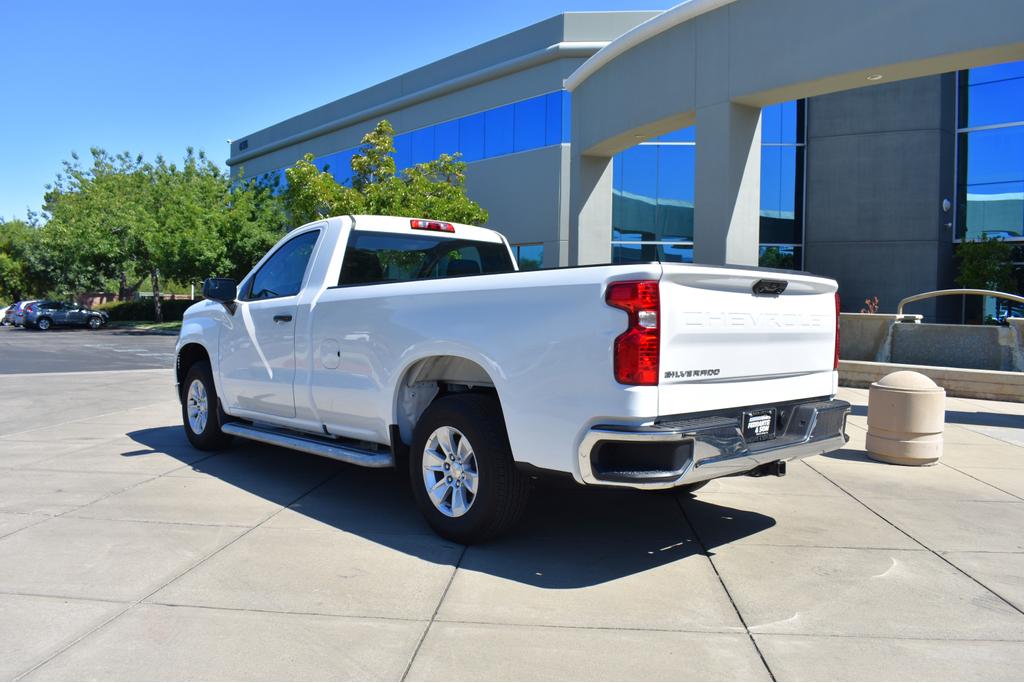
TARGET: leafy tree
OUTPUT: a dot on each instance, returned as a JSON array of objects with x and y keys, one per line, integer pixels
[
  {"x": 313, "y": 194},
  {"x": 435, "y": 189},
  {"x": 985, "y": 264},
  {"x": 254, "y": 219},
  {"x": 96, "y": 221},
  {"x": 774, "y": 257},
  {"x": 20, "y": 276}
]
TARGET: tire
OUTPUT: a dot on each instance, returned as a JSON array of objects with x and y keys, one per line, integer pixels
[
  {"x": 95, "y": 322},
  {"x": 199, "y": 397},
  {"x": 501, "y": 491},
  {"x": 43, "y": 324}
]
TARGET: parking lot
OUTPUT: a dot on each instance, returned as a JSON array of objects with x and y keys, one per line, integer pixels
[
  {"x": 125, "y": 554},
  {"x": 77, "y": 349}
]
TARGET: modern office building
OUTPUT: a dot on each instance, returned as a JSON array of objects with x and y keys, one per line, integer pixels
[{"x": 892, "y": 175}]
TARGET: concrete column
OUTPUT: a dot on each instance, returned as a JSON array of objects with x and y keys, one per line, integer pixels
[
  {"x": 727, "y": 193},
  {"x": 590, "y": 210}
]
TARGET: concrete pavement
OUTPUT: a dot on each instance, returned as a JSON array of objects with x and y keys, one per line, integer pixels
[{"x": 126, "y": 554}]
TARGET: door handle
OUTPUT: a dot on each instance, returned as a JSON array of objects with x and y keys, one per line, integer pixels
[{"x": 282, "y": 318}]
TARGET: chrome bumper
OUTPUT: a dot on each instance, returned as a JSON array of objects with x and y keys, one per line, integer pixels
[{"x": 708, "y": 447}]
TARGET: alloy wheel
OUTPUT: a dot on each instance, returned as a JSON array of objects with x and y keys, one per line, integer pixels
[{"x": 450, "y": 472}]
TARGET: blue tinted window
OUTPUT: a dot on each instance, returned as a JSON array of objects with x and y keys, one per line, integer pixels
[
  {"x": 529, "y": 124},
  {"x": 779, "y": 123},
  {"x": 403, "y": 151},
  {"x": 993, "y": 156},
  {"x": 566, "y": 115},
  {"x": 638, "y": 198},
  {"x": 529, "y": 256},
  {"x": 676, "y": 166},
  {"x": 996, "y": 72},
  {"x": 688, "y": 134},
  {"x": 498, "y": 131},
  {"x": 446, "y": 138},
  {"x": 778, "y": 181},
  {"x": 996, "y": 102},
  {"x": 471, "y": 137},
  {"x": 994, "y": 210},
  {"x": 553, "y": 118},
  {"x": 422, "y": 145}
]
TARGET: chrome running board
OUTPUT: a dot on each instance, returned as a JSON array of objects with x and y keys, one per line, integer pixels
[{"x": 310, "y": 444}]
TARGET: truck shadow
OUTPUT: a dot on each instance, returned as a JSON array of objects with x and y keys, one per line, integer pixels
[{"x": 570, "y": 537}]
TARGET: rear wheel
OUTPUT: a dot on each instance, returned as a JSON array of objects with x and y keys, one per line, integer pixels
[
  {"x": 43, "y": 324},
  {"x": 463, "y": 476},
  {"x": 200, "y": 411}
]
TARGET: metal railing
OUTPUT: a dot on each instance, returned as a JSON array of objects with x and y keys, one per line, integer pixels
[{"x": 951, "y": 292}]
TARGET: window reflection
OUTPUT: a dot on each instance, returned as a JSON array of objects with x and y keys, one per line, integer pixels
[
  {"x": 529, "y": 256},
  {"x": 521, "y": 126},
  {"x": 990, "y": 171},
  {"x": 653, "y": 191}
]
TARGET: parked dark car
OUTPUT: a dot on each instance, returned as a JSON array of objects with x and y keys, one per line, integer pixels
[{"x": 42, "y": 315}]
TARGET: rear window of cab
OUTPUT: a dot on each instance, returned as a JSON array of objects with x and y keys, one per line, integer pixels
[{"x": 375, "y": 257}]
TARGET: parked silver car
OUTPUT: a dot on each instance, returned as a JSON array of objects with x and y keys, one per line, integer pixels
[{"x": 43, "y": 315}]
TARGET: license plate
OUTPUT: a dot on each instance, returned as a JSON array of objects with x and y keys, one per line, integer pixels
[{"x": 759, "y": 425}]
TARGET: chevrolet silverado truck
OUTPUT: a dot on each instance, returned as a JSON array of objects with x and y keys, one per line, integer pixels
[{"x": 418, "y": 344}]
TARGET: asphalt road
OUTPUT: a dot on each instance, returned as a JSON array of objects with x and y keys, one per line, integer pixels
[{"x": 82, "y": 350}]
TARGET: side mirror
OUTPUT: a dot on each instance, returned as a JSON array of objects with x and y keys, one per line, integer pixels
[{"x": 222, "y": 289}]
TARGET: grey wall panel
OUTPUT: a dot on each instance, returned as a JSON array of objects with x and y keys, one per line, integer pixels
[
  {"x": 874, "y": 186},
  {"x": 521, "y": 192},
  {"x": 879, "y": 164},
  {"x": 889, "y": 270},
  {"x": 906, "y": 105}
]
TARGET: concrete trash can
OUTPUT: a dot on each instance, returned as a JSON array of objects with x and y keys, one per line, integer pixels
[{"x": 906, "y": 416}]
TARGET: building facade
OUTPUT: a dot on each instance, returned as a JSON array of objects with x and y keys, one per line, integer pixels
[{"x": 856, "y": 184}]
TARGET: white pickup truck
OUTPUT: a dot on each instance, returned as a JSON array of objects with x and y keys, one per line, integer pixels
[{"x": 412, "y": 343}]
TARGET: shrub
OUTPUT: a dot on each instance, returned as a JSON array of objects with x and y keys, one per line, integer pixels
[{"x": 142, "y": 309}]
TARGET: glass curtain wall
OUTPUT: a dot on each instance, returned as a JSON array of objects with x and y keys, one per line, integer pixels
[
  {"x": 653, "y": 194},
  {"x": 518, "y": 127},
  {"x": 990, "y": 157}
]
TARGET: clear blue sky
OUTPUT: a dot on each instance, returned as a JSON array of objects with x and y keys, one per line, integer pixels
[{"x": 155, "y": 77}]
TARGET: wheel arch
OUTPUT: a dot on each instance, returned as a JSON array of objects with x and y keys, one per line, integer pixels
[
  {"x": 187, "y": 356},
  {"x": 427, "y": 378}
]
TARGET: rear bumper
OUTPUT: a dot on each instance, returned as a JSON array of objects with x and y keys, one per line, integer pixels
[{"x": 676, "y": 452}]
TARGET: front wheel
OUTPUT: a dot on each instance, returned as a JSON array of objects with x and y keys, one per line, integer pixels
[
  {"x": 463, "y": 476},
  {"x": 95, "y": 323},
  {"x": 200, "y": 410}
]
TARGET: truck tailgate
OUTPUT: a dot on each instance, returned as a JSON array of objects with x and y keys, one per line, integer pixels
[{"x": 725, "y": 346}]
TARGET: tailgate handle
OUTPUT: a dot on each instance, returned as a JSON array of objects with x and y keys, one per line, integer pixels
[{"x": 770, "y": 287}]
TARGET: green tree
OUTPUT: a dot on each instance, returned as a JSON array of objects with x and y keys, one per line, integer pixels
[
  {"x": 985, "y": 264},
  {"x": 774, "y": 257},
  {"x": 96, "y": 221},
  {"x": 313, "y": 194},
  {"x": 254, "y": 219},
  {"x": 20, "y": 274},
  {"x": 434, "y": 189}
]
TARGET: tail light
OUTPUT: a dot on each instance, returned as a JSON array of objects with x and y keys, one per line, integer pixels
[
  {"x": 638, "y": 348},
  {"x": 436, "y": 226},
  {"x": 835, "y": 361}
]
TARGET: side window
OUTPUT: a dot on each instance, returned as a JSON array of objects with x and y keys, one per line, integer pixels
[
  {"x": 282, "y": 274},
  {"x": 385, "y": 257}
]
